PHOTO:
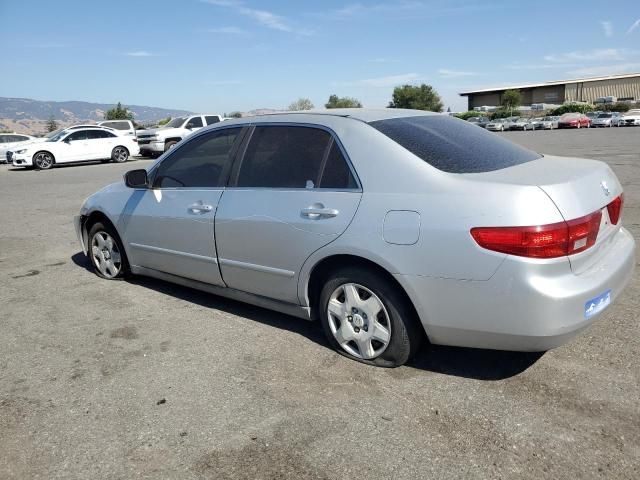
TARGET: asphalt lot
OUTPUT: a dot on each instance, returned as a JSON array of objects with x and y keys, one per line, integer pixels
[{"x": 143, "y": 379}]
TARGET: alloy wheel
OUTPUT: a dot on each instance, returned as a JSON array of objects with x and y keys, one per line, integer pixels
[
  {"x": 105, "y": 254},
  {"x": 359, "y": 321},
  {"x": 43, "y": 160},
  {"x": 120, "y": 154}
]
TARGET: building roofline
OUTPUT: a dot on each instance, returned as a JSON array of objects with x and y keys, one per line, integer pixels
[{"x": 549, "y": 84}]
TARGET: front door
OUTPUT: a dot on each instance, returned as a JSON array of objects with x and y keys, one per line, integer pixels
[
  {"x": 170, "y": 227},
  {"x": 293, "y": 193}
]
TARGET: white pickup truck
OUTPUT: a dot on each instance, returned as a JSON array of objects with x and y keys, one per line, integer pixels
[{"x": 158, "y": 140}]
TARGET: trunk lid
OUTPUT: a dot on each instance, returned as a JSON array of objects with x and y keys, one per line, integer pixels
[{"x": 577, "y": 187}]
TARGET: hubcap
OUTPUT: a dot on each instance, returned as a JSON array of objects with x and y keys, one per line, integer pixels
[
  {"x": 105, "y": 254},
  {"x": 120, "y": 155},
  {"x": 43, "y": 160},
  {"x": 359, "y": 321}
]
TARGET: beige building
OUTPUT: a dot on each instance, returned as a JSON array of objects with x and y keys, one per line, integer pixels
[{"x": 622, "y": 87}]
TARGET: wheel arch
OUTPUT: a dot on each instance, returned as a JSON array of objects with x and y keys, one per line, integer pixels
[
  {"x": 94, "y": 217},
  {"x": 43, "y": 151},
  {"x": 323, "y": 268},
  {"x": 172, "y": 139}
]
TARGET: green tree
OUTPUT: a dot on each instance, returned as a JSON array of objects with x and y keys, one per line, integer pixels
[
  {"x": 511, "y": 100},
  {"x": 118, "y": 113},
  {"x": 301, "y": 104},
  {"x": 573, "y": 107},
  {"x": 469, "y": 114},
  {"x": 164, "y": 121},
  {"x": 235, "y": 115},
  {"x": 342, "y": 102},
  {"x": 51, "y": 125},
  {"x": 423, "y": 97}
]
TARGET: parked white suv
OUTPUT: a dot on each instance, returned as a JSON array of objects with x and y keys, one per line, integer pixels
[{"x": 158, "y": 140}]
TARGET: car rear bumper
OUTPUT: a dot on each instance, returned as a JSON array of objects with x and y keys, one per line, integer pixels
[{"x": 526, "y": 305}]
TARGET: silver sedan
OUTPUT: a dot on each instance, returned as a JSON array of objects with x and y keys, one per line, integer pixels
[{"x": 389, "y": 227}]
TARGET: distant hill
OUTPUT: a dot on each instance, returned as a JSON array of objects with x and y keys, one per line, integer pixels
[{"x": 28, "y": 109}]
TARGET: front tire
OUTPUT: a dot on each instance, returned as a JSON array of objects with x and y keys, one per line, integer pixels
[
  {"x": 367, "y": 319},
  {"x": 169, "y": 145},
  {"x": 43, "y": 160},
  {"x": 119, "y": 154},
  {"x": 105, "y": 250}
]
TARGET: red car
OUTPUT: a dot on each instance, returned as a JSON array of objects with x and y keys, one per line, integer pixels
[{"x": 574, "y": 120}]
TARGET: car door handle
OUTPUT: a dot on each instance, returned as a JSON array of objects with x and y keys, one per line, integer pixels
[
  {"x": 315, "y": 212},
  {"x": 200, "y": 207}
]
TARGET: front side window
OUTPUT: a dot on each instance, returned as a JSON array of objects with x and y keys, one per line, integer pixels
[
  {"x": 199, "y": 163},
  {"x": 78, "y": 135},
  {"x": 211, "y": 119},
  {"x": 284, "y": 157},
  {"x": 194, "y": 122},
  {"x": 452, "y": 145},
  {"x": 176, "y": 122},
  {"x": 4, "y": 139}
]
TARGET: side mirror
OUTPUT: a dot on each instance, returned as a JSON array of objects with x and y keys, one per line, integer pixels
[
  {"x": 136, "y": 178},
  {"x": 67, "y": 140},
  {"x": 189, "y": 127}
]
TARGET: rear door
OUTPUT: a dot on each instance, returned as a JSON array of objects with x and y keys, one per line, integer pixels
[
  {"x": 292, "y": 193},
  {"x": 170, "y": 227}
]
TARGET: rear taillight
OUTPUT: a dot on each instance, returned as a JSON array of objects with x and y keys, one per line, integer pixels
[
  {"x": 615, "y": 209},
  {"x": 541, "y": 241}
]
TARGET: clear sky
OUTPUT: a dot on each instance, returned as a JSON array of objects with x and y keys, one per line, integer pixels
[{"x": 222, "y": 55}]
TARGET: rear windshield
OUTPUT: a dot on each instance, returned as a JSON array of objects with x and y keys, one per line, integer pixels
[{"x": 453, "y": 145}]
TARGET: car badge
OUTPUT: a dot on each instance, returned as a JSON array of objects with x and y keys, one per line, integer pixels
[{"x": 605, "y": 188}]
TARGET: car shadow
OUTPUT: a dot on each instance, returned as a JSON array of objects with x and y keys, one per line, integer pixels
[{"x": 474, "y": 363}]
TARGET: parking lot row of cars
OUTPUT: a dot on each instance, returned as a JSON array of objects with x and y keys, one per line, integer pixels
[
  {"x": 111, "y": 140},
  {"x": 568, "y": 120}
]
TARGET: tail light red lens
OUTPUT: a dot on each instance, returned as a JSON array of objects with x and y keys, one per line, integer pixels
[
  {"x": 615, "y": 209},
  {"x": 541, "y": 241}
]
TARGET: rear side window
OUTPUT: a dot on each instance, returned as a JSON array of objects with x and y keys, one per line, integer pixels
[
  {"x": 336, "y": 172},
  {"x": 453, "y": 145},
  {"x": 200, "y": 163},
  {"x": 94, "y": 134},
  {"x": 211, "y": 119},
  {"x": 284, "y": 157}
]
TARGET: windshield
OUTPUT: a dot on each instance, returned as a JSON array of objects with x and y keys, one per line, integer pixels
[
  {"x": 605, "y": 115},
  {"x": 176, "y": 122},
  {"x": 57, "y": 136},
  {"x": 453, "y": 146}
]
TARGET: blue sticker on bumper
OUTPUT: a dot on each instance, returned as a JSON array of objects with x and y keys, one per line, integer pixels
[{"x": 598, "y": 304}]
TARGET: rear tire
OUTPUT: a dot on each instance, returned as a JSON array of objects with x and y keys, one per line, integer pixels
[
  {"x": 367, "y": 319},
  {"x": 119, "y": 154},
  {"x": 106, "y": 253}
]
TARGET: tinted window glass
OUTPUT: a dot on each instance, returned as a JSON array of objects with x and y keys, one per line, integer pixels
[
  {"x": 20, "y": 138},
  {"x": 118, "y": 125},
  {"x": 195, "y": 122},
  {"x": 283, "y": 157},
  {"x": 198, "y": 163},
  {"x": 4, "y": 138},
  {"x": 453, "y": 145},
  {"x": 211, "y": 119},
  {"x": 78, "y": 135},
  {"x": 93, "y": 134},
  {"x": 336, "y": 172}
]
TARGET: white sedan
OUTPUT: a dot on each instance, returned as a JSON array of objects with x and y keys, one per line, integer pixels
[
  {"x": 9, "y": 141},
  {"x": 75, "y": 145}
]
